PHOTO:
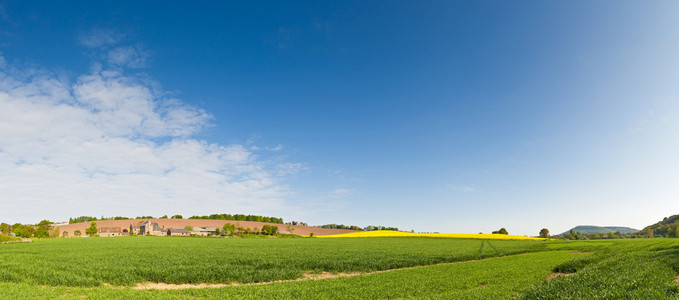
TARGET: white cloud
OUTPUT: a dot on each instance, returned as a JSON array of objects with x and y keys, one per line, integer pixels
[
  {"x": 128, "y": 56},
  {"x": 107, "y": 144}
]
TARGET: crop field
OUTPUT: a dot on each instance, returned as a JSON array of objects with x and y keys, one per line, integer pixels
[
  {"x": 390, "y": 233},
  {"x": 350, "y": 268}
]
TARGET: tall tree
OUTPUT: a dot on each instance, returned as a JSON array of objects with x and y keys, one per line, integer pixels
[
  {"x": 544, "y": 233},
  {"x": 92, "y": 230}
]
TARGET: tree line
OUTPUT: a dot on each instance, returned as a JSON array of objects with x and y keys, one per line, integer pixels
[
  {"x": 229, "y": 217},
  {"x": 354, "y": 227},
  {"x": 44, "y": 229},
  {"x": 240, "y": 217}
]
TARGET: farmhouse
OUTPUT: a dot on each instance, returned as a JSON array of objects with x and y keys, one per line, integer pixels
[
  {"x": 178, "y": 232},
  {"x": 208, "y": 230},
  {"x": 113, "y": 231}
]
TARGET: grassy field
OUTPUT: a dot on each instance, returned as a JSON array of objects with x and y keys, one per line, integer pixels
[
  {"x": 390, "y": 233},
  {"x": 101, "y": 268}
]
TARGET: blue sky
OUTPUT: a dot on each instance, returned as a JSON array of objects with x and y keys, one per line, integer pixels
[{"x": 445, "y": 116}]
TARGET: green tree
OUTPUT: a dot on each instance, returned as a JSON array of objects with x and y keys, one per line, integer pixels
[
  {"x": 177, "y": 217},
  {"x": 64, "y": 234},
  {"x": 77, "y": 233},
  {"x": 673, "y": 230},
  {"x": 648, "y": 232},
  {"x": 544, "y": 233},
  {"x": 92, "y": 230},
  {"x": 229, "y": 229},
  {"x": 41, "y": 233},
  {"x": 501, "y": 231},
  {"x": 188, "y": 227},
  {"x": 5, "y": 228},
  {"x": 269, "y": 230}
]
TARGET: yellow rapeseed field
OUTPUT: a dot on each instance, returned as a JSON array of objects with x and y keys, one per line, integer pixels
[{"x": 386, "y": 233}]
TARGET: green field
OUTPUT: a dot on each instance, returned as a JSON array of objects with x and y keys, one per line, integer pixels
[{"x": 100, "y": 268}]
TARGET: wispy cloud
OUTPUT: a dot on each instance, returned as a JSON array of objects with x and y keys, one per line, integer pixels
[
  {"x": 340, "y": 193},
  {"x": 107, "y": 143},
  {"x": 463, "y": 189},
  {"x": 129, "y": 56},
  {"x": 100, "y": 37}
]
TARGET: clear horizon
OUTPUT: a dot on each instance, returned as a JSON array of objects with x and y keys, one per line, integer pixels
[{"x": 444, "y": 116}]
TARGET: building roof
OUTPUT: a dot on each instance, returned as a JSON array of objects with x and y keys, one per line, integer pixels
[{"x": 178, "y": 230}]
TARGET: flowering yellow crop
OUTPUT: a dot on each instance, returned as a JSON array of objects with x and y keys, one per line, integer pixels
[{"x": 386, "y": 233}]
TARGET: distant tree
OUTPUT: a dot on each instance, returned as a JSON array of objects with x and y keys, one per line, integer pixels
[
  {"x": 290, "y": 228},
  {"x": 164, "y": 217},
  {"x": 217, "y": 231},
  {"x": 673, "y": 230},
  {"x": 64, "y": 234},
  {"x": 77, "y": 233},
  {"x": 544, "y": 233},
  {"x": 501, "y": 231},
  {"x": 188, "y": 227},
  {"x": 311, "y": 234},
  {"x": 92, "y": 230},
  {"x": 269, "y": 230},
  {"x": 41, "y": 233},
  {"x": 177, "y": 217},
  {"x": 5, "y": 228},
  {"x": 239, "y": 229},
  {"x": 45, "y": 223},
  {"x": 648, "y": 232},
  {"x": 256, "y": 230},
  {"x": 229, "y": 229},
  {"x": 54, "y": 232}
]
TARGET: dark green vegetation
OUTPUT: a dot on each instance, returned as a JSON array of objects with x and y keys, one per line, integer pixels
[
  {"x": 235, "y": 217},
  {"x": 501, "y": 231},
  {"x": 43, "y": 229},
  {"x": 76, "y": 268},
  {"x": 354, "y": 227},
  {"x": 6, "y": 238},
  {"x": 599, "y": 229},
  {"x": 239, "y": 217},
  {"x": 668, "y": 227}
]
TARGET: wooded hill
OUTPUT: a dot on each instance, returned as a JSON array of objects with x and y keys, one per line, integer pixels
[{"x": 668, "y": 227}]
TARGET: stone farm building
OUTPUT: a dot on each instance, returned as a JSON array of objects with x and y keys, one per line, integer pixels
[{"x": 177, "y": 227}]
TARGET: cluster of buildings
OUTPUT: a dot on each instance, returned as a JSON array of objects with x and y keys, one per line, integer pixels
[{"x": 152, "y": 228}]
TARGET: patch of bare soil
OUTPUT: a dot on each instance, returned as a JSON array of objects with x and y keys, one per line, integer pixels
[
  {"x": 307, "y": 276},
  {"x": 558, "y": 274}
]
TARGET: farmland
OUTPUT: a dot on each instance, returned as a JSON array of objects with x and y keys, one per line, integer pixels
[{"x": 100, "y": 268}]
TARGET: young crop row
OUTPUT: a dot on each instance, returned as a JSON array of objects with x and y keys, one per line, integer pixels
[
  {"x": 631, "y": 269},
  {"x": 496, "y": 278},
  {"x": 387, "y": 233}
]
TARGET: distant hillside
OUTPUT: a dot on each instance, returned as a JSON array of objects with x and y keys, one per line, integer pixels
[
  {"x": 668, "y": 227},
  {"x": 599, "y": 229}
]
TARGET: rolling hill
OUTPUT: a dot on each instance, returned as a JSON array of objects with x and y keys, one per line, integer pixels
[{"x": 600, "y": 229}]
